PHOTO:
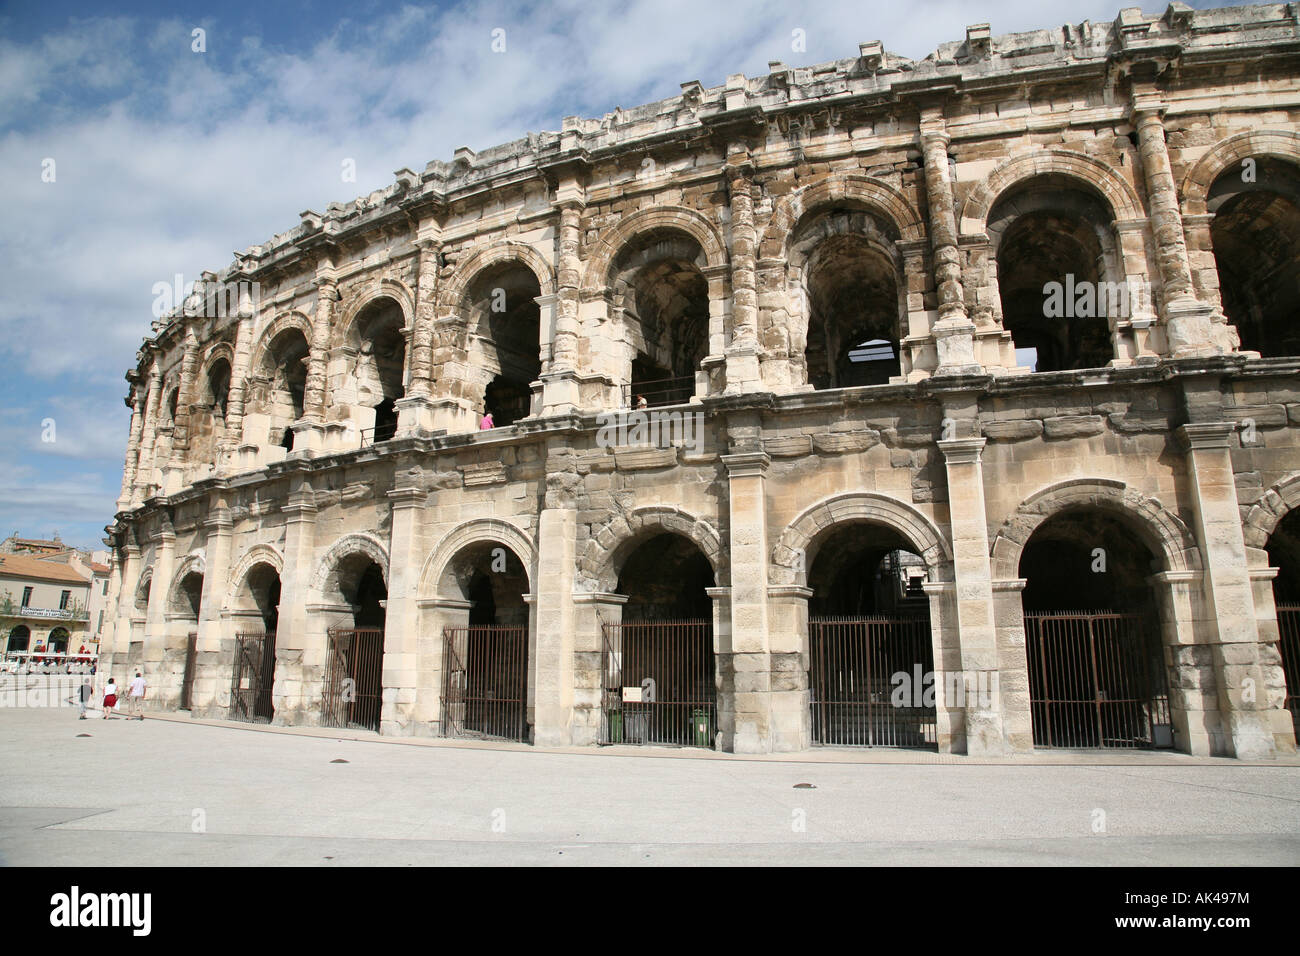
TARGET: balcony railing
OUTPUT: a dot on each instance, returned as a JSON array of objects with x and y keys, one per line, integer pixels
[{"x": 662, "y": 391}]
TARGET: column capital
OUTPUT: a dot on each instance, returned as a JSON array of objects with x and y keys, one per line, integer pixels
[
  {"x": 747, "y": 464},
  {"x": 962, "y": 451},
  {"x": 1201, "y": 435},
  {"x": 407, "y": 497}
]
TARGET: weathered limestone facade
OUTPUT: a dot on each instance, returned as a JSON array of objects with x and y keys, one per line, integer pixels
[{"x": 744, "y": 237}]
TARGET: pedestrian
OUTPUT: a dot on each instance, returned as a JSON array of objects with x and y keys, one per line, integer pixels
[
  {"x": 487, "y": 422},
  {"x": 110, "y": 698},
  {"x": 136, "y": 699},
  {"x": 85, "y": 695},
  {"x": 640, "y": 402}
]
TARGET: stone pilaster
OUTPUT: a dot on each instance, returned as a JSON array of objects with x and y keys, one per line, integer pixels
[
  {"x": 559, "y": 381},
  {"x": 974, "y": 597},
  {"x": 128, "y": 581},
  {"x": 308, "y": 432},
  {"x": 415, "y": 411},
  {"x": 1250, "y": 723},
  {"x": 953, "y": 332},
  {"x": 132, "y": 449},
  {"x": 212, "y": 661},
  {"x": 401, "y": 616},
  {"x": 155, "y": 633},
  {"x": 233, "y": 435},
  {"x": 554, "y": 612},
  {"x": 1188, "y": 322},
  {"x": 787, "y": 622},
  {"x": 742, "y": 350},
  {"x": 592, "y": 611},
  {"x": 144, "y": 477},
  {"x": 750, "y": 655},
  {"x": 292, "y": 637}
]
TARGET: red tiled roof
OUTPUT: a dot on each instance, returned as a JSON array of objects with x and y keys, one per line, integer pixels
[{"x": 25, "y": 566}]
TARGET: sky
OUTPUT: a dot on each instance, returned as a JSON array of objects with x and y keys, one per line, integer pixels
[{"x": 128, "y": 155}]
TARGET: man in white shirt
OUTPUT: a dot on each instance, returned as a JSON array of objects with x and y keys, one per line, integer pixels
[{"x": 135, "y": 698}]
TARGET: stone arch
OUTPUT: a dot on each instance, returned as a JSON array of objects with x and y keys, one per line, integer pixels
[
  {"x": 286, "y": 320},
  {"x": 222, "y": 350},
  {"x": 143, "y": 589},
  {"x": 678, "y": 218},
  {"x": 1262, "y": 520},
  {"x": 877, "y": 196},
  {"x": 1195, "y": 187},
  {"x": 1094, "y": 174},
  {"x": 385, "y": 288},
  {"x": 349, "y": 544},
  {"x": 452, "y": 297},
  {"x": 608, "y": 548},
  {"x": 257, "y": 554},
  {"x": 193, "y": 563},
  {"x": 790, "y": 561},
  {"x": 1156, "y": 526},
  {"x": 472, "y": 532}
]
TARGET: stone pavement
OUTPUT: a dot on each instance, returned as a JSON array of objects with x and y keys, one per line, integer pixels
[{"x": 137, "y": 791}]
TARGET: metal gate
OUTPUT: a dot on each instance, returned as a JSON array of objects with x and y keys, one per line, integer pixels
[
  {"x": 871, "y": 681},
  {"x": 187, "y": 677},
  {"x": 485, "y": 682},
  {"x": 1288, "y": 625},
  {"x": 353, "y": 668},
  {"x": 253, "y": 676},
  {"x": 1097, "y": 679},
  {"x": 659, "y": 684}
]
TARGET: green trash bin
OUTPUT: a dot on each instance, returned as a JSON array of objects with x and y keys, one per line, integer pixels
[
  {"x": 702, "y": 727},
  {"x": 615, "y": 726}
]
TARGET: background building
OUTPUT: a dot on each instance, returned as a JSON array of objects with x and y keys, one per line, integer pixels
[{"x": 993, "y": 360}]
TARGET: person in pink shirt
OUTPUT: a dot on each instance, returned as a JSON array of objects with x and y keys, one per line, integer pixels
[{"x": 487, "y": 422}]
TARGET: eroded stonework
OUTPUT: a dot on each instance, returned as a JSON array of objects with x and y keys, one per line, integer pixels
[{"x": 834, "y": 267}]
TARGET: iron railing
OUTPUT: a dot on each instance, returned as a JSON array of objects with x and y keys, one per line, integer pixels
[
  {"x": 1288, "y": 625},
  {"x": 353, "y": 689},
  {"x": 871, "y": 681},
  {"x": 485, "y": 682},
  {"x": 663, "y": 391},
  {"x": 1097, "y": 679},
  {"x": 253, "y": 676},
  {"x": 659, "y": 683}
]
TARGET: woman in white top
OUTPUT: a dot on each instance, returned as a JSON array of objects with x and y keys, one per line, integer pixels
[{"x": 110, "y": 698}]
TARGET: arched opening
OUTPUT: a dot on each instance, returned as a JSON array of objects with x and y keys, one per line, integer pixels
[
  {"x": 485, "y": 662},
  {"x": 1058, "y": 275},
  {"x": 1256, "y": 236},
  {"x": 659, "y": 286},
  {"x": 135, "y": 649},
  {"x": 284, "y": 384},
  {"x": 57, "y": 643},
  {"x": 189, "y": 596},
  {"x": 208, "y": 423},
  {"x": 218, "y": 389},
  {"x": 1284, "y": 554},
  {"x": 505, "y": 325},
  {"x": 1097, "y": 670},
  {"x": 253, "y": 676},
  {"x": 660, "y": 684},
  {"x": 353, "y": 694},
  {"x": 19, "y": 641},
  {"x": 870, "y": 651},
  {"x": 379, "y": 374},
  {"x": 852, "y": 285},
  {"x": 188, "y": 602}
]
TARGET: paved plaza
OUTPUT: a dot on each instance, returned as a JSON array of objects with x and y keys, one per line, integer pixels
[{"x": 138, "y": 791}]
